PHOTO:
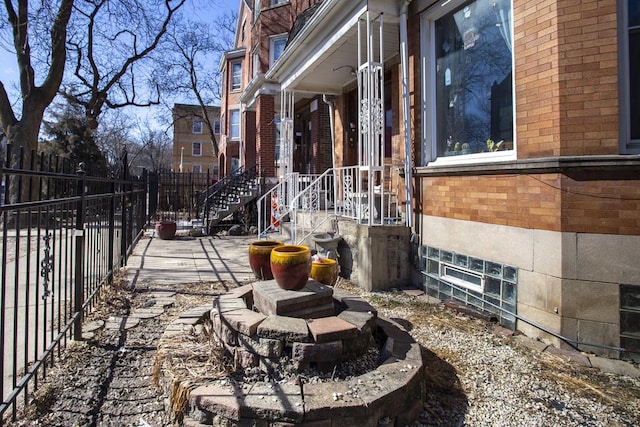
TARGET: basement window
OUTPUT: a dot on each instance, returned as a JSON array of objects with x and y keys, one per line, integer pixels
[
  {"x": 486, "y": 285},
  {"x": 462, "y": 277}
]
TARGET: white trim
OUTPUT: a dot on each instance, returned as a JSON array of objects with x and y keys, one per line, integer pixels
[
  {"x": 272, "y": 41},
  {"x": 300, "y": 64},
  {"x": 429, "y": 145}
]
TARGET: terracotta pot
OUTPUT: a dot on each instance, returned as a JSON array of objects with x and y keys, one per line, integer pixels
[
  {"x": 325, "y": 270},
  {"x": 166, "y": 230},
  {"x": 260, "y": 258},
  {"x": 291, "y": 265}
]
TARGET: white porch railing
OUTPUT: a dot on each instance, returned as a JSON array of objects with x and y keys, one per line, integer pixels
[
  {"x": 274, "y": 205},
  {"x": 353, "y": 192},
  {"x": 311, "y": 200}
]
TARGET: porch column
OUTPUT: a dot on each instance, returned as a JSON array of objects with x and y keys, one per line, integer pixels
[
  {"x": 250, "y": 141},
  {"x": 265, "y": 136}
]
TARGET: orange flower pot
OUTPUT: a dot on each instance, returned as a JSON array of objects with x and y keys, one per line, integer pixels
[
  {"x": 260, "y": 258},
  {"x": 290, "y": 265},
  {"x": 325, "y": 270}
]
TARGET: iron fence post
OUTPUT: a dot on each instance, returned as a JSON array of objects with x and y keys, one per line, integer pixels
[
  {"x": 145, "y": 198},
  {"x": 79, "y": 261},
  {"x": 112, "y": 229}
]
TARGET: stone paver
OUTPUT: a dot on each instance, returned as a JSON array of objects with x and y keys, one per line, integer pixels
[
  {"x": 276, "y": 402},
  {"x": 331, "y": 328},
  {"x": 314, "y": 300},
  {"x": 121, "y": 323},
  {"x": 244, "y": 320},
  {"x": 289, "y": 329},
  {"x": 619, "y": 367}
]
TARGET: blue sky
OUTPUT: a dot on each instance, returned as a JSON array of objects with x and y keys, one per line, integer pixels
[{"x": 205, "y": 9}]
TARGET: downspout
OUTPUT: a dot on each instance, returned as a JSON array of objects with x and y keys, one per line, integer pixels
[{"x": 406, "y": 107}]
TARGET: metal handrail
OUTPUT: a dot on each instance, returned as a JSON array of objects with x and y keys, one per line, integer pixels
[{"x": 314, "y": 200}]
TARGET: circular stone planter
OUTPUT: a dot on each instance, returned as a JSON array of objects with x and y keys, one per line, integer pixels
[
  {"x": 391, "y": 393},
  {"x": 325, "y": 271},
  {"x": 260, "y": 258},
  {"x": 290, "y": 265},
  {"x": 166, "y": 230}
]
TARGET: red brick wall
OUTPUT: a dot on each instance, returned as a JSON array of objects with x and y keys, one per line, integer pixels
[
  {"x": 607, "y": 206},
  {"x": 265, "y": 136},
  {"x": 566, "y": 78},
  {"x": 249, "y": 123},
  {"x": 554, "y": 202}
]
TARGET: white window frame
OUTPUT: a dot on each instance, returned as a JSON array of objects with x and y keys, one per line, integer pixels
[
  {"x": 255, "y": 56},
  {"x": 197, "y": 126},
  {"x": 232, "y": 113},
  {"x": 278, "y": 2},
  {"x": 216, "y": 127},
  {"x": 272, "y": 44},
  {"x": 627, "y": 145},
  {"x": 198, "y": 152},
  {"x": 235, "y": 85},
  {"x": 427, "y": 55},
  {"x": 197, "y": 166}
]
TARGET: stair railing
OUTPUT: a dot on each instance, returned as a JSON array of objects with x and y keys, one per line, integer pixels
[
  {"x": 228, "y": 189},
  {"x": 313, "y": 206}
]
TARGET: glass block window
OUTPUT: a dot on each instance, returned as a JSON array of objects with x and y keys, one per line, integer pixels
[
  {"x": 486, "y": 285},
  {"x": 630, "y": 320}
]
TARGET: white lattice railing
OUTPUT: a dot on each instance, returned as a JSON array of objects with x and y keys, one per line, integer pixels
[
  {"x": 311, "y": 200},
  {"x": 316, "y": 205},
  {"x": 275, "y": 204},
  {"x": 357, "y": 195}
]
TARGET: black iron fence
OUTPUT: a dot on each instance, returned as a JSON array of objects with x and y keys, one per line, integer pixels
[
  {"x": 174, "y": 194},
  {"x": 64, "y": 235}
]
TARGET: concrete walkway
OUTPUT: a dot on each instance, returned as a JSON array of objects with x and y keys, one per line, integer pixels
[{"x": 188, "y": 259}]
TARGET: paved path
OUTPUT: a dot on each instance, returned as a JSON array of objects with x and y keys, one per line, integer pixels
[{"x": 189, "y": 260}]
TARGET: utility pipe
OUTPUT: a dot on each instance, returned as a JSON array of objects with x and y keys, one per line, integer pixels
[{"x": 406, "y": 106}]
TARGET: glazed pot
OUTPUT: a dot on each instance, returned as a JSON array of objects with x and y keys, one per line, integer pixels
[
  {"x": 325, "y": 271},
  {"x": 166, "y": 230},
  {"x": 290, "y": 265},
  {"x": 260, "y": 258}
]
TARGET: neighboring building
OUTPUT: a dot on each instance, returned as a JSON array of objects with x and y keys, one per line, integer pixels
[
  {"x": 518, "y": 125},
  {"x": 192, "y": 146},
  {"x": 250, "y": 103}
]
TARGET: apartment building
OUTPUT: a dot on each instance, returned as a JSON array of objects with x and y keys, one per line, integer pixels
[{"x": 193, "y": 149}]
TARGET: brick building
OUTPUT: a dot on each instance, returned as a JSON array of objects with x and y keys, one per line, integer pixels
[
  {"x": 251, "y": 103},
  {"x": 518, "y": 126},
  {"x": 192, "y": 146}
]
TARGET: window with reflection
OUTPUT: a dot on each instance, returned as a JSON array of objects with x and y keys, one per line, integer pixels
[{"x": 469, "y": 72}]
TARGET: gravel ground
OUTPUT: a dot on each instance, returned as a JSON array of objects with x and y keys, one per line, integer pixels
[{"x": 474, "y": 376}]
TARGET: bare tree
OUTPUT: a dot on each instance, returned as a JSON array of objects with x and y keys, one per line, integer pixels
[
  {"x": 189, "y": 63},
  {"x": 22, "y": 127},
  {"x": 110, "y": 51},
  {"x": 155, "y": 150}
]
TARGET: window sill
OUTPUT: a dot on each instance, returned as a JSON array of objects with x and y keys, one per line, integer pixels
[{"x": 625, "y": 167}]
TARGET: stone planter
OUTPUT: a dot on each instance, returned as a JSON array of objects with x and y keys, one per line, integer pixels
[
  {"x": 290, "y": 265},
  {"x": 325, "y": 271},
  {"x": 260, "y": 258},
  {"x": 166, "y": 230}
]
